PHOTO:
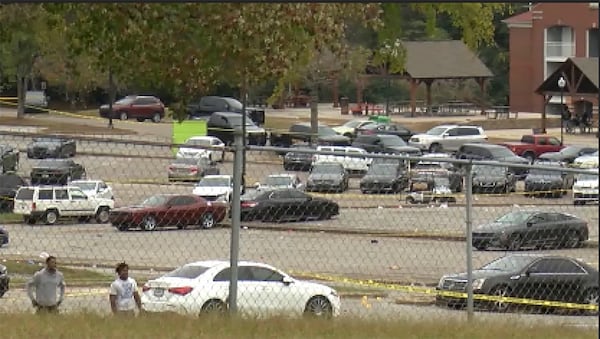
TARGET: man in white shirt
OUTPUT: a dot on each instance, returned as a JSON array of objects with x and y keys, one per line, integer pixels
[{"x": 124, "y": 296}]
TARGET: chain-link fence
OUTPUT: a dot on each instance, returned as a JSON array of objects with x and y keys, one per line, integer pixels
[{"x": 347, "y": 232}]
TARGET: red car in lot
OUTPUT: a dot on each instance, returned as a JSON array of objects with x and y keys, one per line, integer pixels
[
  {"x": 140, "y": 107},
  {"x": 164, "y": 210}
]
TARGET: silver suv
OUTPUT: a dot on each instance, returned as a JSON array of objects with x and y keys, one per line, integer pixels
[{"x": 447, "y": 138}]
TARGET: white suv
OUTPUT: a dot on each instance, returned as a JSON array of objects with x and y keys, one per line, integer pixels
[
  {"x": 49, "y": 203},
  {"x": 586, "y": 188},
  {"x": 447, "y": 138},
  {"x": 354, "y": 159}
]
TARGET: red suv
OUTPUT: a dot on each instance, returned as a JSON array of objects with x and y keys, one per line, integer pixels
[{"x": 140, "y": 107}]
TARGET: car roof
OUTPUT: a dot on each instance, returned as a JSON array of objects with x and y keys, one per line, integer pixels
[
  {"x": 225, "y": 263},
  {"x": 484, "y": 145},
  {"x": 230, "y": 114},
  {"x": 218, "y": 176},
  {"x": 289, "y": 175}
]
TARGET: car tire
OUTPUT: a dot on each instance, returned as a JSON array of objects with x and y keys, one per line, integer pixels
[
  {"x": 435, "y": 148},
  {"x": 102, "y": 217},
  {"x": 207, "y": 220},
  {"x": 411, "y": 200},
  {"x": 214, "y": 307},
  {"x": 590, "y": 297},
  {"x": 149, "y": 223},
  {"x": 156, "y": 117},
  {"x": 318, "y": 307},
  {"x": 515, "y": 242},
  {"x": 499, "y": 291},
  {"x": 571, "y": 240},
  {"x": 50, "y": 217},
  {"x": 123, "y": 116},
  {"x": 529, "y": 156}
]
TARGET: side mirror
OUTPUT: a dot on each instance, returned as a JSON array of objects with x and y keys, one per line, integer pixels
[
  {"x": 530, "y": 271},
  {"x": 287, "y": 280},
  {"x": 445, "y": 135}
]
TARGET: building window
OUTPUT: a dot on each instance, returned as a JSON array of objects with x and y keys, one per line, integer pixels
[
  {"x": 560, "y": 42},
  {"x": 593, "y": 5},
  {"x": 592, "y": 42}
]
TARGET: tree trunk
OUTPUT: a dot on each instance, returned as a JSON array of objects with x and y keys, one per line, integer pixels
[
  {"x": 314, "y": 112},
  {"x": 21, "y": 90}
]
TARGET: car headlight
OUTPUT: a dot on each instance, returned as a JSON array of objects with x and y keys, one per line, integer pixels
[
  {"x": 441, "y": 282},
  {"x": 478, "y": 283}
]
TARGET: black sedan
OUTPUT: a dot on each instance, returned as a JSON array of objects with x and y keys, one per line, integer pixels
[
  {"x": 538, "y": 277},
  {"x": 9, "y": 184},
  {"x": 51, "y": 147},
  {"x": 3, "y": 237},
  {"x": 381, "y": 128},
  {"x": 519, "y": 229},
  {"x": 286, "y": 205},
  {"x": 568, "y": 154},
  {"x": 9, "y": 156},
  {"x": 296, "y": 160},
  {"x": 56, "y": 171},
  {"x": 384, "y": 177},
  {"x": 4, "y": 280}
]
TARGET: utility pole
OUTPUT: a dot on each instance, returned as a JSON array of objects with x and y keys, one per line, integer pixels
[{"x": 111, "y": 98}]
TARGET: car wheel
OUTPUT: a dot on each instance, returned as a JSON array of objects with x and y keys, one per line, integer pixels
[
  {"x": 435, "y": 148},
  {"x": 571, "y": 240},
  {"x": 530, "y": 157},
  {"x": 515, "y": 242},
  {"x": 411, "y": 200},
  {"x": 214, "y": 306},
  {"x": 102, "y": 215},
  {"x": 123, "y": 116},
  {"x": 207, "y": 220},
  {"x": 156, "y": 117},
  {"x": 319, "y": 306},
  {"x": 149, "y": 223},
  {"x": 51, "y": 217},
  {"x": 590, "y": 297},
  {"x": 500, "y": 292}
]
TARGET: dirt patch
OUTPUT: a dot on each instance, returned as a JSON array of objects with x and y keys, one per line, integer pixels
[{"x": 50, "y": 126}]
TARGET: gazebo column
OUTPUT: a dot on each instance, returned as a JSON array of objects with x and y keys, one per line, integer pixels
[
  {"x": 335, "y": 91},
  {"x": 413, "y": 96},
  {"x": 481, "y": 82},
  {"x": 428, "y": 84}
]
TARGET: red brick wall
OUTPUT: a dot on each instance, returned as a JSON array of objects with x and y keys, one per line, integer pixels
[{"x": 520, "y": 68}]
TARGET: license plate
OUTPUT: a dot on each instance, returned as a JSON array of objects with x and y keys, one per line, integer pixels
[{"x": 159, "y": 292}]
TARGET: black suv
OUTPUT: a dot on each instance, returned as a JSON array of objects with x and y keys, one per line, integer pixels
[
  {"x": 10, "y": 158},
  {"x": 56, "y": 171},
  {"x": 205, "y": 106},
  {"x": 326, "y": 136},
  {"x": 385, "y": 144},
  {"x": 492, "y": 152},
  {"x": 223, "y": 124}
]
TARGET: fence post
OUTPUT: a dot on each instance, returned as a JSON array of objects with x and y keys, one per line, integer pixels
[
  {"x": 469, "y": 222},
  {"x": 238, "y": 155}
]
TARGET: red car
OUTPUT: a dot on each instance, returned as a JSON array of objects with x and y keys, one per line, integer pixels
[
  {"x": 165, "y": 210},
  {"x": 140, "y": 107}
]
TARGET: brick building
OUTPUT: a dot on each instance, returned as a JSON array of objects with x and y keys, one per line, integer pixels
[{"x": 541, "y": 39}]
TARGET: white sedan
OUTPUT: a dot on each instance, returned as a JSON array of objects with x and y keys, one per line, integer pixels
[
  {"x": 199, "y": 147},
  {"x": 263, "y": 291},
  {"x": 94, "y": 188}
]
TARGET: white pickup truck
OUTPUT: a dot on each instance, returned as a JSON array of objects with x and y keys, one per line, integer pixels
[{"x": 49, "y": 203}]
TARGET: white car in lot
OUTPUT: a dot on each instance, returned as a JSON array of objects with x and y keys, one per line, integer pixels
[
  {"x": 278, "y": 181},
  {"x": 349, "y": 128},
  {"x": 354, "y": 159},
  {"x": 94, "y": 188},
  {"x": 215, "y": 187},
  {"x": 447, "y": 138},
  {"x": 215, "y": 153},
  {"x": 585, "y": 188},
  {"x": 587, "y": 161},
  {"x": 263, "y": 291}
]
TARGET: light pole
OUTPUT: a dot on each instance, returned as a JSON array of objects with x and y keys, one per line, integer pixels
[{"x": 561, "y": 85}]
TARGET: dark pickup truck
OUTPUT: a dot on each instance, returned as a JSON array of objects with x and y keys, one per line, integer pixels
[
  {"x": 56, "y": 172},
  {"x": 532, "y": 146},
  {"x": 301, "y": 132},
  {"x": 204, "y": 107},
  {"x": 223, "y": 124}
]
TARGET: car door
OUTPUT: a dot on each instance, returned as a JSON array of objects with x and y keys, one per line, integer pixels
[
  {"x": 80, "y": 202},
  {"x": 104, "y": 191},
  {"x": 182, "y": 211},
  {"x": 247, "y": 293},
  {"x": 66, "y": 206},
  {"x": 449, "y": 139},
  {"x": 300, "y": 205},
  {"x": 556, "y": 279},
  {"x": 538, "y": 230},
  {"x": 537, "y": 281},
  {"x": 273, "y": 296},
  {"x": 252, "y": 295},
  {"x": 281, "y": 205}
]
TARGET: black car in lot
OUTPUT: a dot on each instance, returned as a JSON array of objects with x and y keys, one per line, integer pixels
[
  {"x": 296, "y": 160},
  {"x": 381, "y": 143},
  {"x": 51, "y": 147},
  {"x": 327, "y": 177},
  {"x": 205, "y": 106},
  {"x": 539, "y": 277},
  {"x": 4, "y": 280},
  {"x": 531, "y": 228},
  {"x": 554, "y": 183},
  {"x": 9, "y": 184},
  {"x": 385, "y": 177},
  {"x": 223, "y": 124},
  {"x": 9, "y": 156},
  {"x": 286, "y": 205},
  {"x": 56, "y": 172},
  {"x": 493, "y": 179},
  {"x": 302, "y": 132},
  {"x": 568, "y": 154},
  {"x": 482, "y": 151},
  {"x": 385, "y": 128}
]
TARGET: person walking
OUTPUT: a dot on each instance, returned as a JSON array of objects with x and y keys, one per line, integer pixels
[
  {"x": 124, "y": 295},
  {"x": 45, "y": 283}
]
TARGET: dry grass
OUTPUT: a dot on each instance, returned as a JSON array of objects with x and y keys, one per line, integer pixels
[
  {"x": 172, "y": 326},
  {"x": 73, "y": 276},
  {"x": 48, "y": 125}
]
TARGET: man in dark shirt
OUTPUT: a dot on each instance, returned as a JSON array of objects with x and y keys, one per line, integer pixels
[{"x": 46, "y": 283}]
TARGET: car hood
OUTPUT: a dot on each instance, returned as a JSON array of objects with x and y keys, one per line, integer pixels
[
  {"x": 552, "y": 156},
  {"x": 403, "y": 149},
  {"x": 425, "y": 136},
  {"x": 342, "y": 129},
  {"x": 378, "y": 177},
  {"x": 487, "y": 178},
  {"x": 255, "y": 129},
  {"x": 192, "y": 150},
  {"x": 48, "y": 144},
  {"x": 217, "y": 190},
  {"x": 479, "y": 274},
  {"x": 542, "y": 178},
  {"x": 494, "y": 227},
  {"x": 314, "y": 288},
  {"x": 325, "y": 177},
  {"x": 579, "y": 183},
  {"x": 57, "y": 169},
  {"x": 513, "y": 159},
  {"x": 333, "y": 138}
]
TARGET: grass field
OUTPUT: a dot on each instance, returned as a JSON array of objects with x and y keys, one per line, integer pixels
[
  {"x": 172, "y": 326},
  {"x": 21, "y": 271}
]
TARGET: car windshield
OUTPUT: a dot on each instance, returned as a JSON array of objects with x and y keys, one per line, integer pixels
[
  {"x": 125, "y": 101},
  {"x": 353, "y": 123},
  {"x": 517, "y": 217},
  {"x": 85, "y": 186},
  {"x": 327, "y": 168},
  {"x": 501, "y": 152},
  {"x": 326, "y": 131},
  {"x": 234, "y": 103},
  {"x": 236, "y": 121},
  {"x": 436, "y": 131},
  {"x": 198, "y": 142},
  {"x": 587, "y": 177},
  {"x": 383, "y": 169},
  {"x": 278, "y": 181},
  {"x": 509, "y": 263},
  {"x": 214, "y": 182},
  {"x": 155, "y": 200},
  {"x": 489, "y": 170},
  {"x": 187, "y": 272},
  {"x": 392, "y": 140}
]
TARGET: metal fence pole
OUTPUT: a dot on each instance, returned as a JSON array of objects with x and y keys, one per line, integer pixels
[
  {"x": 234, "y": 246},
  {"x": 469, "y": 236}
]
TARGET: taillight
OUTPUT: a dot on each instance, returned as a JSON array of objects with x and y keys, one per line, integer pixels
[
  {"x": 33, "y": 205},
  {"x": 249, "y": 203},
  {"x": 145, "y": 288},
  {"x": 193, "y": 169},
  {"x": 171, "y": 168},
  {"x": 181, "y": 290}
]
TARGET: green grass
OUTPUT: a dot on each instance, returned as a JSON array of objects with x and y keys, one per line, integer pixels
[
  {"x": 10, "y": 218},
  {"x": 173, "y": 326},
  {"x": 73, "y": 276}
]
